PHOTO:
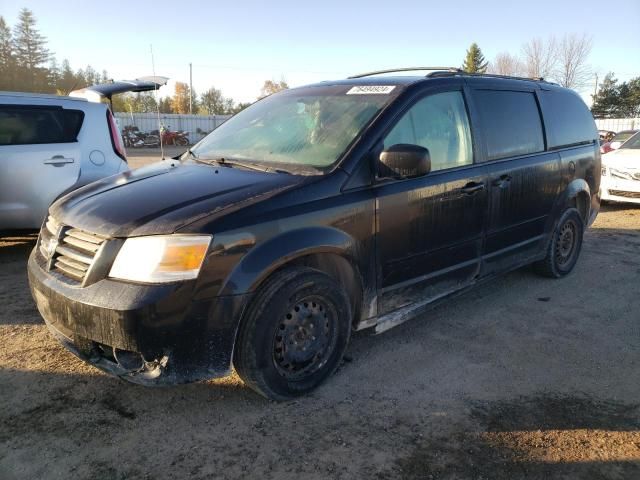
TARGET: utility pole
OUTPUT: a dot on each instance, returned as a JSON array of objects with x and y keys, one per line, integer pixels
[
  {"x": 595, "y": 91},
  {"x": 190, "y": 89}
]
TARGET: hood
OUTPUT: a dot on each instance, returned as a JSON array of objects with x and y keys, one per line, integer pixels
[
  {"x": 164, "y": 197},
  {"x": 623, "y": 158}
]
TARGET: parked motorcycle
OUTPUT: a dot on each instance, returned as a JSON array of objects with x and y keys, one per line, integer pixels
[
  {"x": 169, "y": 137},
  {"x": 133, "y": 137},
  {"x": 130, "y": 139}
]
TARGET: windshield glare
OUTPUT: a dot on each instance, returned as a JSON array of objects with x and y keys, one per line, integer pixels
[
  {"x": 310, "y": 126},
  {"x": 621, "y": 137},
  {"x": 633, "y": 142}
]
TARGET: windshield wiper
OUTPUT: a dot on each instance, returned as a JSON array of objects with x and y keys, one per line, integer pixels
[
  {"x": 191, "y": 154},
  {"x": 232, "y": 162}
]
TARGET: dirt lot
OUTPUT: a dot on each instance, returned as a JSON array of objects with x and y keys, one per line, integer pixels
[{"x": 521, "y": 378}]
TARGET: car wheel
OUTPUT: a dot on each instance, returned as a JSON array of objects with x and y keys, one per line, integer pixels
[
  {"x": 294, "y": 333},
  {"x": 564, "y": 248}
]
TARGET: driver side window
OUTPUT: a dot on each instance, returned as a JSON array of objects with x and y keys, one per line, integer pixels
[{"x": 439, "y": 123}]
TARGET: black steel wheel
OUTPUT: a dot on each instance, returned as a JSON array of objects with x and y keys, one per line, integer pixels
[
  {"x": 564, "y": 248},
  {"x": 305, "y": 338},
  {"x": 293, "y": 334}
]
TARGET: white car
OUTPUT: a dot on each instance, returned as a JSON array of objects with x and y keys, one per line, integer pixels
[
  {"x": 621, "y": 173},
  {"x": 51, "y": 145}
]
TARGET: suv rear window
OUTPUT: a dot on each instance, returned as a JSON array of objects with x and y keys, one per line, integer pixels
[
  {"x": 569, "y": 121},
  {"x": 27, "y": 125},
  {"x": 511, "y": 123}
]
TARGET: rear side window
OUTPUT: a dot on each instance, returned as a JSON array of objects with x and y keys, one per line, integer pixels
[
  {"x": 27, "y": 125},
  {"x": 569, "y": 121},
  {"x": 511, "y": 123}
]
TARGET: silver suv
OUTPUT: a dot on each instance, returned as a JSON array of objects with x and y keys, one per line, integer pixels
[{"x": 50, "y": 145}]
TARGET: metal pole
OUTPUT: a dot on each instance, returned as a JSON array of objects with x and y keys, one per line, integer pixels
[
  {"x": 153, "y": 68},
  {"x": 190, "y": 89}
]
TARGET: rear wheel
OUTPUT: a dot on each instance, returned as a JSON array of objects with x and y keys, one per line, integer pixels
[
  {"x": 564, "y": 248},
  {"x": 294, "y": 333}
]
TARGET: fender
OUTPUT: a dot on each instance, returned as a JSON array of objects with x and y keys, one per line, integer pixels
[
  {"x": 576, "y": 187},
  {"x": 267, "y": 257}
]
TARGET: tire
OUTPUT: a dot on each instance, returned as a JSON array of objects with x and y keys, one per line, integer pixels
[
  {"x": 280, "y": 352},
  {"x": 181, "y": 141},
  {"x": 564, "y": 248}
]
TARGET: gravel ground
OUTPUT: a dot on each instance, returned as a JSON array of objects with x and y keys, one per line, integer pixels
[{"x": 523, "y": 377}]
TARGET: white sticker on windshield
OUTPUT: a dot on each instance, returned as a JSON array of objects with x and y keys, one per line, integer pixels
[{"x": 371, "y": 90}]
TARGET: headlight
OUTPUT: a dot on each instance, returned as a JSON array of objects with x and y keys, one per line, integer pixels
[
  {"x": 161, "y": 258},
  {"x": 620, "y": 174}
]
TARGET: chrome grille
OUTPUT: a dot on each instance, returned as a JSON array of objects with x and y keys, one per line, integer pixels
[
  {"x": 75, "y": 250},
  {"x": 47, "y": 234},
  {"x": 75, "y": 253}
]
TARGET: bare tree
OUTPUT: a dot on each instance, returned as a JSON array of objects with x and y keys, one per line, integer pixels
[
  {"x": 506, "y": 64},
  {"x": 573, "y": 54},
  {"x": 540, "y": 57}
]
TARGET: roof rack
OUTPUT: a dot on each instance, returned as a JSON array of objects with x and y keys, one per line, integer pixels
[
  {"x": 447, "y": 72},
  {"x": 490, "y": 75},
  {"x": 409, "y": 69}
]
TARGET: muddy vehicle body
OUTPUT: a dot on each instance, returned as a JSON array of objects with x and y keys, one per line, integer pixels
[{"x": 320, "y": 210}]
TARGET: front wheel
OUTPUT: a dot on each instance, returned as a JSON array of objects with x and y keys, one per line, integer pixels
[
  {"x": 294, "y": 333},
  {"x": 564, "y": 248}
]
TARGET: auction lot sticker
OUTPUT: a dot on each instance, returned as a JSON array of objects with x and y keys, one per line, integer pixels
[{"x": 371, "y": 90}]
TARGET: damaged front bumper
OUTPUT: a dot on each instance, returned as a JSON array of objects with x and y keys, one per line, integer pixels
[{"x": 146, "y": 334}]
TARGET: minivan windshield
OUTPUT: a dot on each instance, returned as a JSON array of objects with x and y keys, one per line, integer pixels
[{"x": 304, "y": 127}]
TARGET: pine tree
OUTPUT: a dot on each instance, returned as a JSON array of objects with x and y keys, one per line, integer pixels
[
  {"x": 30, "y": 51},
  {"x": 7, "y": 60},
  {"x": 606, "y": 102},
  {"x": 474, "y": 62},
  {"x": 165, "y": 105},
  {"x": 91, "y": 77},
  {"x": 53, "y": 75},
  {"x": 67, "y": 80}
]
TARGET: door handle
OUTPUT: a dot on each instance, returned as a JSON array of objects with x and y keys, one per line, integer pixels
[
  {"x": 502, "y": 181},
  {"x": 472, "y": 188},
  {"x": 58, "y": 160}
]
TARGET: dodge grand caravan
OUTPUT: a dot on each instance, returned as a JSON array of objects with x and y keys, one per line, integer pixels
[{"x": 317, "y": 211}]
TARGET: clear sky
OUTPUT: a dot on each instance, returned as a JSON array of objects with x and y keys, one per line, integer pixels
[{"x": 235, "y": 46}]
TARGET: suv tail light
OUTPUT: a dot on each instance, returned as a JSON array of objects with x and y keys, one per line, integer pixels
[{"x": 116, "y": 139}]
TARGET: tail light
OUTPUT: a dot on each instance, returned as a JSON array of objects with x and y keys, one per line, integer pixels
[{"x": 116, "y": 140}]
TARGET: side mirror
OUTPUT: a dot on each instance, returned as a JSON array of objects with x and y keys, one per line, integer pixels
[{"x": 407, "y": 160}]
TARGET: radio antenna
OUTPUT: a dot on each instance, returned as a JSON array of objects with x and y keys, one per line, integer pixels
[{"x": 153, "y": 69}]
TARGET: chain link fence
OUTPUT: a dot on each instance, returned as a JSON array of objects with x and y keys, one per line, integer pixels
[{"x": 197, "y": 126}]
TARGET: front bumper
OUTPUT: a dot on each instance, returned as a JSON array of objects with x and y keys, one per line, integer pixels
[
  {"x": 614, "y": 189},
  {"x": 147, "y": 334}
]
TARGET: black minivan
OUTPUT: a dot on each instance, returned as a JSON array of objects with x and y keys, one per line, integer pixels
[{"x": 319, "y": 210}]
